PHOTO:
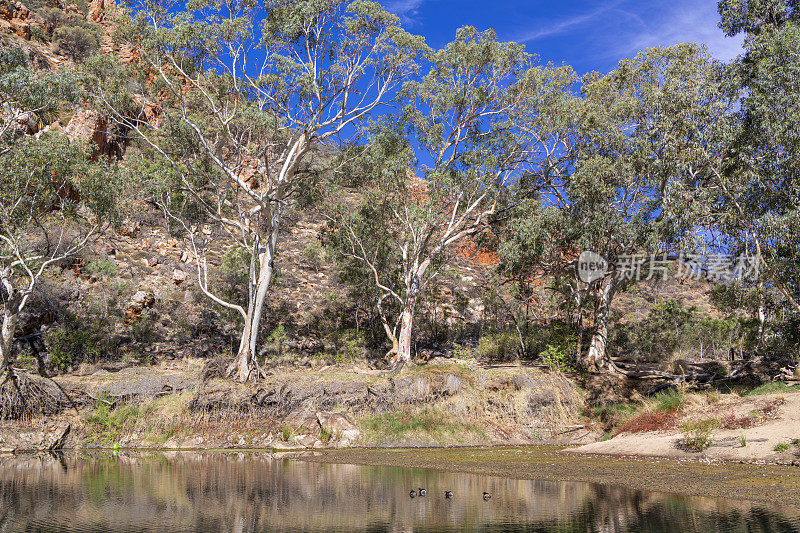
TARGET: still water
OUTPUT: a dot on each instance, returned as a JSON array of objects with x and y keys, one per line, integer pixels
[{"x": 233, "y": 492}]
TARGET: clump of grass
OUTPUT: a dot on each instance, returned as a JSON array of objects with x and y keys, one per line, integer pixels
[
  {"x": 743, "y": 441},
  {"x": 781, "y": 447},
  {"x": 109, "y": 421},
  {"x": 325, "y": 435},
  {"x": 670, "y": 400},
  {"x": 286, "y": 433},
  {"x": 697, "y": 433},
  {"x": 409, "y": 423},
  {"x": 771, "y": 388}
]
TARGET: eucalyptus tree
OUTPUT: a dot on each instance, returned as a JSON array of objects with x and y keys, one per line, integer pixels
[
  {"x": 759, "y": 185},
  {"x": 246, "y": 92},
  {"x": 434, "y": 176},
  {"x": 53, "y": 200},
  {"x": 635, "y": 143}
]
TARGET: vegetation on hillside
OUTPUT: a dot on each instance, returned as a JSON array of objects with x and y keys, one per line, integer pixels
[{"x": 676, "y": 171}]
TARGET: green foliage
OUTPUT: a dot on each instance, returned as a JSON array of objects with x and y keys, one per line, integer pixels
[
  {"x": 781, "y": 447},
  {"x": 671, "y": 328},
  {"x": 397, "y": 425},
  {"x": 109, "y": 422},
  {"x": 501, "y": 346},
  {"x": 276, "y": 340},
  {"x": 143, "y": 331},
  {"x": 72, "y": 343},
  {"x": 772, "y": 387},
  {"x": 102, "y": 268},
  {"x": 349, "y": 347},
  {"x": 697, "y": 433},
  {"x": 79, "y": 40},
  {"x": 670, "y": 400},
  {"x": 39, "y": 34},
  {"x": 557, "y": 359},
  {"x": 313, "y": 255},
  {"x": 462, "y": 353}
]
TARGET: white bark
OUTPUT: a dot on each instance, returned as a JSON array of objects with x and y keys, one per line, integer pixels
[
  {"x": 10, "y": 319},
  {"x": 597, "y": 357}
]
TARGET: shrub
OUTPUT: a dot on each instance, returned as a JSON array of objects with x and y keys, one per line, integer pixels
[
  {"x": 79, "y": 39},
  {"x": 276, "y": 340},
  {"x": 556, "y": 359},
  {"x": 461, "y": 352},
  {"x": 498, "y": 347},
  {"x": 349, "y": 347},
  {"x": 39, "y": 34},
  {"x": 313, "y": 255},
  {"x": 671, "y": 400},
  {"x": 697, "y": 433},
  {"x": 781, "y": 447},
  {"x": 68, "y": 345},
  {"x": 102, "y": 268},
  {"x": 657, "y": 421}
]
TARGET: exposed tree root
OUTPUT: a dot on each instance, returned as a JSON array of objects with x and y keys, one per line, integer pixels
[
  {"x": 23, "y": 395},
  {"x": 216, "y": 368}
]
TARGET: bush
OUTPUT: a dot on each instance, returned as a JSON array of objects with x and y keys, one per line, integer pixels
[
  {"x": 313, "y": 255},
  {"x": 102, "y": 268},
  {"x": 78, "y": 39},
  {"x": 697, "y": 433},
  {"x": 461, "y": 352},
  {"x": 276, "y": 340},
  {"x": 69, "y": 345},
  {"x": 498, "y": 347},
  {"x": 38, "y": 34},
  {"x": 349, "y": 347},
  {"x": 671, "y": 400},
  {"x": 555, "y": 358}
]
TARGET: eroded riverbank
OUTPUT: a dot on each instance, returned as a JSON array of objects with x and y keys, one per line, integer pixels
[{"x": 759, "y": 483}]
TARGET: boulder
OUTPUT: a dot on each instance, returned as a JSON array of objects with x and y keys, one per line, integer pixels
[
  {"x": 342, "y": 430},
  {"x": 140, "y": 301},
  {"x": 178, "y": 276}
]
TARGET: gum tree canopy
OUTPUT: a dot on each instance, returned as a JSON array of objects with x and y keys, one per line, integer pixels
[
  {"x": 246, "y": 92},
  {"x": 619, "y": 183},
  {"x": 53, "y": 201},
  {"x": 454, "y": 131}
]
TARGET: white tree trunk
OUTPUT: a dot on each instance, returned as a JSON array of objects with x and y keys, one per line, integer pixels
[
  {"x": 10, "y": 319},
  {"x": 597, "y": 357},
  {"x": 762, "y": 315},
  {"x": 245, "y": 366},
  {"x": 404, "y": 340}
]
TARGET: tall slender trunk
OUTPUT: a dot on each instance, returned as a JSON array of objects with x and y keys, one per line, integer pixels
[
  {"x": 762, "y": 315},
  {"x": 404, "y": 339},
  {"x": 245, "y": 364},
  {"x": 9, "y": 326},
  {"x": 597, "y": 357}
]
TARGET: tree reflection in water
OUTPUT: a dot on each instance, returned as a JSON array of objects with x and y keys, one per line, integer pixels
[{"x": 246, "y": 492}]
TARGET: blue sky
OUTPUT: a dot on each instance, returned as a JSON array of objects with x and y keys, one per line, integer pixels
[{"x": 589, "y": 35}]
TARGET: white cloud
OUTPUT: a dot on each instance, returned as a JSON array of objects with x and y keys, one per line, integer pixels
[
  {"x": 687, "y": 21},
  {"x": 407, "y": 10},
  {"x": 620, "y": 28},
  {"x": 566, "y": 25}
]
